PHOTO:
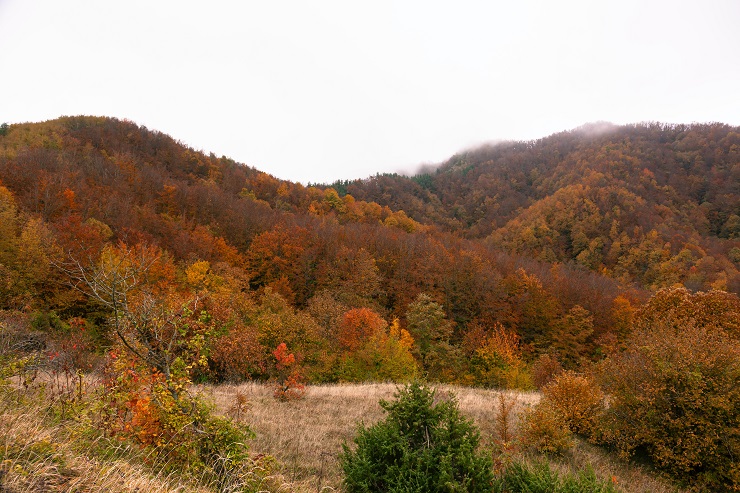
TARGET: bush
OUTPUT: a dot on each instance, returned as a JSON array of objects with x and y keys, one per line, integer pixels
[
  {"x": 540, "y": 478},
  {"x": 675, "y": 392},
  {"x": 545, "y": 369},
  {"x": 177, "y": 430},
  {"x": 545, "y": 430},
  {"x": 238, "y": 356},
  {"x": 496, "y": 360},
  {"x": 288, "y": 382},
  {"x": 420, "y": 447},
  {"x": 578, "y": 398}
]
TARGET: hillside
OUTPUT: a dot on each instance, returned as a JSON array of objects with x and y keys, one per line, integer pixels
[
  {"x": 654, "y": 204},
  {"x": 516, "y": 234},
  {"x": 132, "y": 261},
  {"x": 105, "y": 181}
]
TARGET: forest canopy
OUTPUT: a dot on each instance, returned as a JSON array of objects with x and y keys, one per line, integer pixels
[{"x": 501, "y": 255}]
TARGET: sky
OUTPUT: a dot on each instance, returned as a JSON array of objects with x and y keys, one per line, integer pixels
[{"x": 325, "y": 90}]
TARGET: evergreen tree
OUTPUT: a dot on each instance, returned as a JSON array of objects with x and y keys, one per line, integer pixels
[{"x": 420, "y": 447}]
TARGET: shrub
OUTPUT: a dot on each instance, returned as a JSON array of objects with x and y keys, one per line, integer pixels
[
  {"x": 503, "y": 427},
  {"x": 420, "y": 447},
  {"x": 238, "y": 356},
  {"x": 177, "y": 430},
  {"x": 384, "y": 357},
  {"x": 675, "y": 392},
  {"x": 578, "y": 398},
  {"x": 544, "y": 429},
  {"x": 545, "y": 369},
  {"x": 288, "y": 381},
  {"x": 496, "y": 360},
  {"x": 540, "y": 478}
]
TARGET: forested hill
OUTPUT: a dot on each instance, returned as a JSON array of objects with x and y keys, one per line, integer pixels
[
  {"x": 551, "y": 242},
  {"x": 652, "y": 203}
]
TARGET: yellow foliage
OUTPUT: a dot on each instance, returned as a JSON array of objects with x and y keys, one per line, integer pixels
[
  {"x": 405, "y": 339},
  {"x": 578, "y": 398},
  {"x": 197, "y": 274}
]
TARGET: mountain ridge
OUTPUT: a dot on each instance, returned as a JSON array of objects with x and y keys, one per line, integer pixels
[{"x": 668, "y": 179}]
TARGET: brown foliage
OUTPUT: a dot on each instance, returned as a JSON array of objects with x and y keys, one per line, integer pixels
[
  {"x": 675, "y": 390},
  {"x": 578, "y": 398},
  {"x": 238, "y": 355},
  {"x": 545, "y": 429},
  {"x": 545, "y": 369}
]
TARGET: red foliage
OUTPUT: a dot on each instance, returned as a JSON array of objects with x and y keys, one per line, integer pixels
[{"x": 288, "y": 379}]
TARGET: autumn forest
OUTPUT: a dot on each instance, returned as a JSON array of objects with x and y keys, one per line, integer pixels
[{"x": 503, "y": 267}]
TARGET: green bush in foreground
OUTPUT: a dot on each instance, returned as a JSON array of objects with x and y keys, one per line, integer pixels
[
  {"x": 420, "y": 446},
  {"x": 540, "y": 478}
]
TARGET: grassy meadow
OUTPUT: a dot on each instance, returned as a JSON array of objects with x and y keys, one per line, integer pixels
[
  {"x": 306, "y": 435},
  {"x": 42, "y": 451}
]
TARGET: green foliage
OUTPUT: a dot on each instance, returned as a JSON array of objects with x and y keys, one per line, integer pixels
[
  {"x": 675, "y": 391},
  {"x": 540, "y": 478},
  {"x": 384, "y": 357},
  {"x": 46, "y": 321},
  {"x": 431, "y": 331},
  {"x": 496, "y": 361},
  {"x": 420, "y": 447}
]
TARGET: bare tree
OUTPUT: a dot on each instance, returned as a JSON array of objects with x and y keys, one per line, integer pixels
[{"x": 153, "y": 321}]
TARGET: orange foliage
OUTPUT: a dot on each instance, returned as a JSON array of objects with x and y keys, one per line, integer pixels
[
  {"x": 288, "y": 379},
  {"x": 358, "y": 324}
]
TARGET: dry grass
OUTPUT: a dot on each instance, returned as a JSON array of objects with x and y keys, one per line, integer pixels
[
  {"x": 306, "y": 435},
  {"x": 39, "y": 458}
]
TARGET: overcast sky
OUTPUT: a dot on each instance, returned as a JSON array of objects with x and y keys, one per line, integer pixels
[{"x": 314, "y": 91}]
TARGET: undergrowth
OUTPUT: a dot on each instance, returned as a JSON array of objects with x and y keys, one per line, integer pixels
[
  {"x": 64, "y": 430},
  {"x": 540, "y": 477}
]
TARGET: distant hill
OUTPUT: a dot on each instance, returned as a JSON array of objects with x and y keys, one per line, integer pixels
[{"x": 652, "y": 203}]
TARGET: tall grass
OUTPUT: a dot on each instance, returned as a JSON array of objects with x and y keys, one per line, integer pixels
[{"x": 38, "y": 454}]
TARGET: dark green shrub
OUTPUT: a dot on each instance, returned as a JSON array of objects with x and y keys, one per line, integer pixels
[
  {"x": 540, "y": 478},
  {"x": 420, "y": 446}
]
